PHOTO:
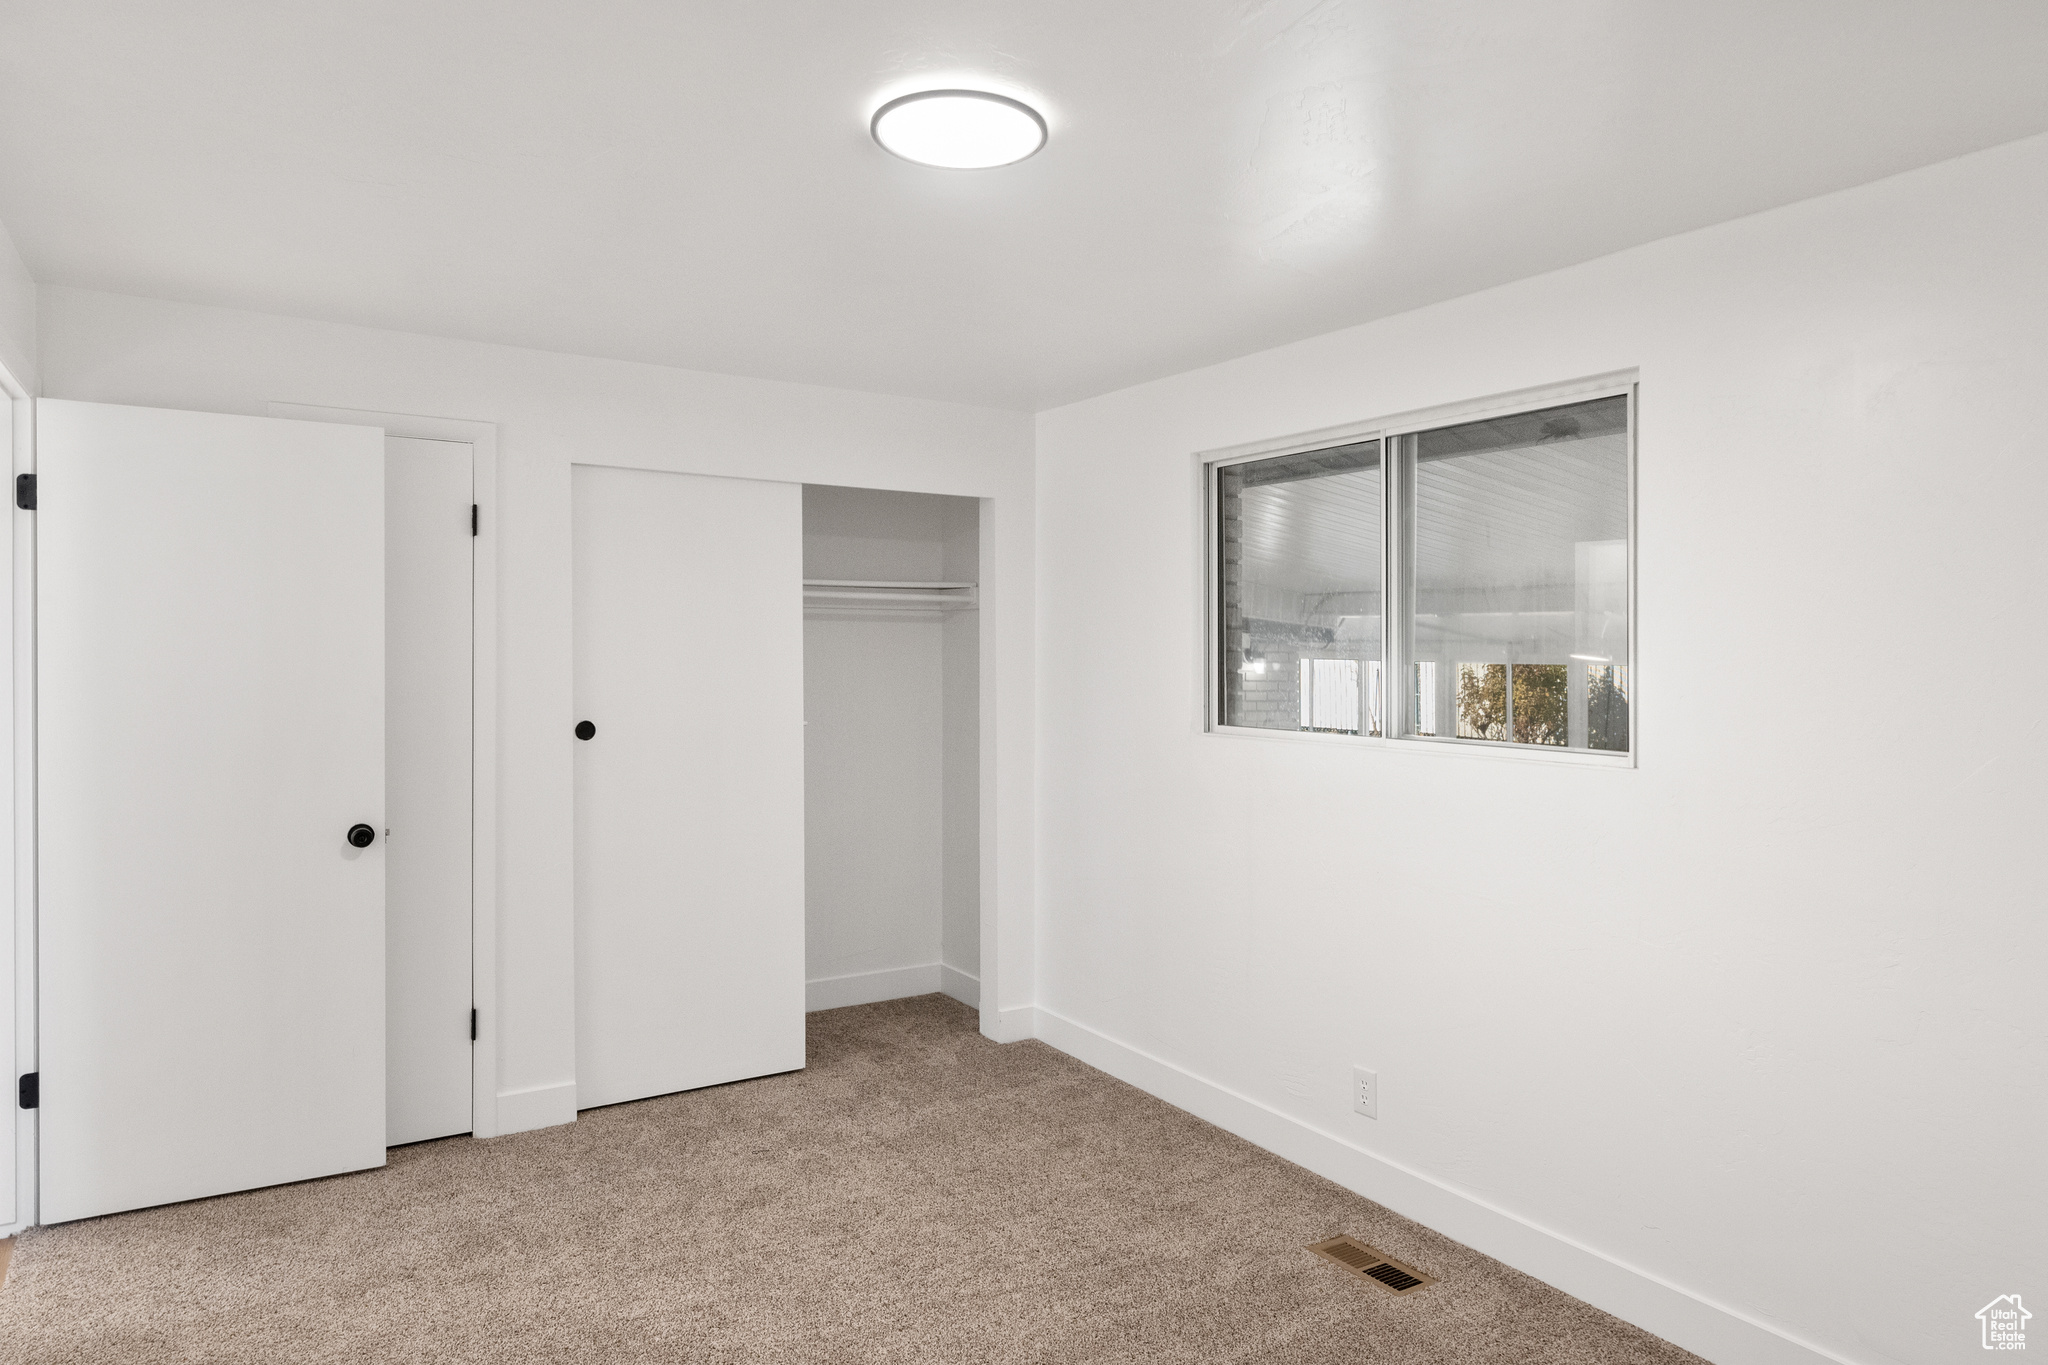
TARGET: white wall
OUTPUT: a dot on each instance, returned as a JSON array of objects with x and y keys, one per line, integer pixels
[
  {"x": 874, "y": 800},
  {"x": 18, "y": 349},
  {"x": 1762, "y": 1019},
  {"x": 873, "y": 534},
  {"x": 554, "y": 410}
]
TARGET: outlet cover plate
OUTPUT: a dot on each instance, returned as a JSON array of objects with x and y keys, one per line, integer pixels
[{"x": 1365, "y": 1092}]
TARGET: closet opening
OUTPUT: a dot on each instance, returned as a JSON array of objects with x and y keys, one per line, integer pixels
[{"x": 892, "y": 782}]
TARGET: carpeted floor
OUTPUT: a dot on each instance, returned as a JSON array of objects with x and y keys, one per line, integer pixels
[{"x": 918, "y": 1194}]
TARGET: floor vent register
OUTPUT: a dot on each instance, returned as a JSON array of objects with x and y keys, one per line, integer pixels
[{"x": 1370, "y": 1264}]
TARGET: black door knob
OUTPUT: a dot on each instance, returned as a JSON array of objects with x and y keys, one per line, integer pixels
[
  {"x": 584, "y": 729},
  {"x": 362, "y": 836}
]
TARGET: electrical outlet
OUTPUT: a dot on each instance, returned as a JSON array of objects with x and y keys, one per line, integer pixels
[{"x": 1365, "y": 1092}]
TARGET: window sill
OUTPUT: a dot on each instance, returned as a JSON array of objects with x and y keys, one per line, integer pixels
[{"x": 1459, "y": 748}]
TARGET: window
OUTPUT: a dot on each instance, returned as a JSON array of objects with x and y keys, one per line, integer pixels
[
  {"x": 1300, "y": 587},
  {"x": 1330, "y": 697},
  {"x": 1483, "y": 566}
]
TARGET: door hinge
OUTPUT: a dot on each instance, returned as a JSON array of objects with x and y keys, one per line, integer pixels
[
  {"x": 25, "y": 492},
  {"x": 472, "y": 1026},
  {"x": 473, "y": 515},
  {"x": 31, "y": 1090}
]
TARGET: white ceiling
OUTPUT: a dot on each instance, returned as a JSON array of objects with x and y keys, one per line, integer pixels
[{"x": 692, "y": 183}]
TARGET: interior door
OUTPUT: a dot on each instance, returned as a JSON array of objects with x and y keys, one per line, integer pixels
[
  {"x": 211, "y": 724},
  {"x": 429, "y": 487},
  {"x": 690, "y": 788}
]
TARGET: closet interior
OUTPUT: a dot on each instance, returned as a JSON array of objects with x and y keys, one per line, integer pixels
[{"x": 892, "y": 903}]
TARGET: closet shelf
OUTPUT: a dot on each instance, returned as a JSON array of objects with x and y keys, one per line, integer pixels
[{"x": 862, "y": 594}]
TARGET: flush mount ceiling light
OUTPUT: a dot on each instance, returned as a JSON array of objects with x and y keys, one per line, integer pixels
[{"x": 961, "y": 130}]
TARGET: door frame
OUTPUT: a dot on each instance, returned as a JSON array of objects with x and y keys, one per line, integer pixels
[
  {"x": 21, "y": 802},
  {"x": 482, "y": 439}
]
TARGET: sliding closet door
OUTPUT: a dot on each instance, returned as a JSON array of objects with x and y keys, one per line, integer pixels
[
  {"x": 211, "y": 727},
  {"x": 690, "y": 785}
]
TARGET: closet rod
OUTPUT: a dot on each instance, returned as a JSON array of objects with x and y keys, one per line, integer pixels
[
  {"x": 883, "y": 598},
  {"x": 877, "y": 583}
]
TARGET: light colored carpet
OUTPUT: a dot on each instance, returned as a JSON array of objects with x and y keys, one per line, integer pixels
[{"x": 918, "y": 1194}]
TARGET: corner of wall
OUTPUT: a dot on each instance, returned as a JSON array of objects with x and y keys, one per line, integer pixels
[{"x": 962, "y": 986}]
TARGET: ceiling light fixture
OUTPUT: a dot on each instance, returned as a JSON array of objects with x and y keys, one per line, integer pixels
[{"x": 960, "y": 130}]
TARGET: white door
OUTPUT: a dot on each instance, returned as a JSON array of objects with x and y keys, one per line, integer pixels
[
  {"x": 690, "y": 793},
  {"x": 211, "y": 725},
  {"x": 428, "y": 491}
]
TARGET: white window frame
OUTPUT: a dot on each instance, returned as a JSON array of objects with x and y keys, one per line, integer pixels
[{"x": 1619, "y": 384}]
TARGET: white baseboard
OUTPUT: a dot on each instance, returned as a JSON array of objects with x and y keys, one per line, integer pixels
[
  {"x": 1013, "y": 1025},
  {"x": 865, "y": 988},
  {"x": 541, "y": 1106},
  {"x": 1701, "y": 1326},
  {"x": 962, "y": 986}
]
